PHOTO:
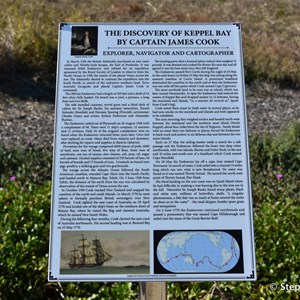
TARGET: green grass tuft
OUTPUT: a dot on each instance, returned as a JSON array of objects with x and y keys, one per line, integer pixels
[{"x": 270, "y": 30}]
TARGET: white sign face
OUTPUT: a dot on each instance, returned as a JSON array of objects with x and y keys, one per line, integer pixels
[{"x": 151, "y": 177}]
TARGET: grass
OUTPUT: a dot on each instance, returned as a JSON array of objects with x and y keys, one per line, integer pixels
[
  {"x": 24, "y": 228},
  {"x": 270, "y": 30}
]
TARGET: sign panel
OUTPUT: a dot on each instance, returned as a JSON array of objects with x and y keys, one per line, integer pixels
[{"x": 151, "y": 175}]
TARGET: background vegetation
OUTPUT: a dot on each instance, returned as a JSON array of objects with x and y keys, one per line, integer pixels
[
  {"x": 271, "y": 53},
  {"x": 24, "y": 228},
  {"x": 270, "y": 30}
]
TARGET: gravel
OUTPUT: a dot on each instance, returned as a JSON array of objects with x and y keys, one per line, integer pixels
[
  {"x": 24, "y": 122},
  {"x": 27, "y": 120},
  {"x": 270, "y": 108}
]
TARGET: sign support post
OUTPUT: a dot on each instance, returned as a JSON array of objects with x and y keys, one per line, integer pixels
[{"x": 150, "y": 290}]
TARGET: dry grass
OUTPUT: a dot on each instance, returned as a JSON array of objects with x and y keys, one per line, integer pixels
[{"x": 271, "y": 28}]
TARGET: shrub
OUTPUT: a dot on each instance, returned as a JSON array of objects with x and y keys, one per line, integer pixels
[
  {"x": 272, "y": 158},
  {"x": 29, "y": 165},
  {"x": 24, "y": 229},
  {"x": 29, "y": 30}
]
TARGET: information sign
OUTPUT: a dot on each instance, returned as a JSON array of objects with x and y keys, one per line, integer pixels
[{"x": 151, "y": 178}]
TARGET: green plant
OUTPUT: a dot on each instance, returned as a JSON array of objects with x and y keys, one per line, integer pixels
[
  {"x": 271, "y": 157},
  {"x": 29, "y": 165},
  {"x": 101, "y": 291},
  {"x": 24, "y": 230},
  {"x": 270, "y": 30}
]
